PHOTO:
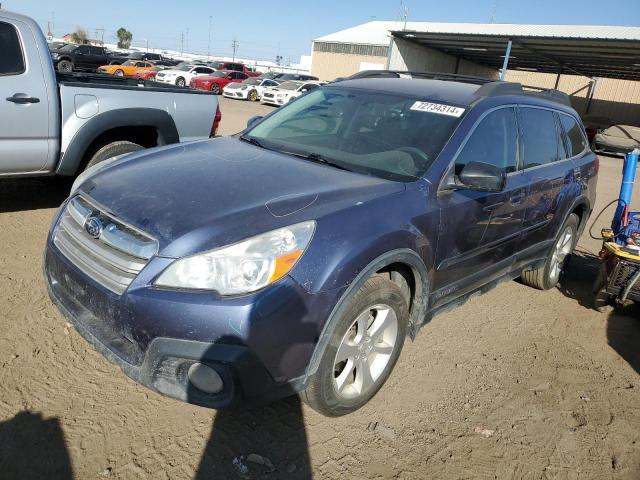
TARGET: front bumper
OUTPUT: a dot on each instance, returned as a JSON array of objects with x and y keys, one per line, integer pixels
[{"x": 259, "y": 344}]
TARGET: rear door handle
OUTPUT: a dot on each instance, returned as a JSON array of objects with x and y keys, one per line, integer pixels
[{"x": 22, "y": 98}]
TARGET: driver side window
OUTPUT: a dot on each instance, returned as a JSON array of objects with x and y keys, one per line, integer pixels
[{"x": 494, "y": 141}]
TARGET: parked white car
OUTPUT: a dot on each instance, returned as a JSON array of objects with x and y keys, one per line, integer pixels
[
  {"x": 181, "y": 76},
  {"x": 287, "y": 91},
  {"x": 250, "y": 89}
]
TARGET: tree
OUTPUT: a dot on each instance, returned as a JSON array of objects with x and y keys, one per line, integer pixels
[
  {"x": 79, "y": 36},
  {"x": 124, "y": 37}
]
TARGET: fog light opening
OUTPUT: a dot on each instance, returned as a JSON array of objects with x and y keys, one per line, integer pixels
[{"x": 205, "y": 378}]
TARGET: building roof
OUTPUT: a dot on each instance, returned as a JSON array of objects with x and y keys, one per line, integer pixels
[
  {"x": 590, "y": 50},
  {"x": 378, "y": 32}
]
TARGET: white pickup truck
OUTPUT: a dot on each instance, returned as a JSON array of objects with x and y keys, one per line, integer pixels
[{"x": 59, "y": 125}]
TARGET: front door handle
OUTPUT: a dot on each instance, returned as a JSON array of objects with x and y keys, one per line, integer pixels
[{"x": 22, "y": 98}]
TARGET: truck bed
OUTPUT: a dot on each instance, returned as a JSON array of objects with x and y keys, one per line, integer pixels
[{"x": 111, "y": 81}]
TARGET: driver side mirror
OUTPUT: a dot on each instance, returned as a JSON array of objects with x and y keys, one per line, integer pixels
[
  {"x": 482, "y": 177},
  {"x": 253, "y": 120}
]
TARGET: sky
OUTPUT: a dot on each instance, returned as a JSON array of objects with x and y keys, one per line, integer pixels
[{"x": 264, "y": 29}]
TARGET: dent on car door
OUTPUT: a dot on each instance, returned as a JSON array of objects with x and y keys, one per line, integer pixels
[
  {"x": 550, "y": 173},
  {"x": 479, "y": 230},
  {"x": 24, "y": 105}
]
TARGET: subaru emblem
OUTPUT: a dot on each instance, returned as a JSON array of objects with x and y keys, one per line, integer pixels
[{"x": 93, "y": 226}]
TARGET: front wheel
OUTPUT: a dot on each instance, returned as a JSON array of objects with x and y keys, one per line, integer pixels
[
  {"x": 180, "y": 82},
  {"x": 215, "y": 88},
  {"x": 363, "y": 349},
  {"x": 253, "y": 95},
  {"x": 65, "y": 66},
  {"x": 111, "y": 150},
  {"x": 548, "y": 275},
  {"x": 119, "y": 73}
]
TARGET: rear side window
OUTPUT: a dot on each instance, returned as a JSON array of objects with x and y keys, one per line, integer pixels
[
  {"x": 575, "y": 139},
  {"x": 11, "y": 60},
  {"x": 540, "y": 139},
  {"x": 494, "y": 141}
]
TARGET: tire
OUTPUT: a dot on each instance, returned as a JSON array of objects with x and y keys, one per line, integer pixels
[
  {"x": 112, "y": 150},
  {"x": 119, "y": 73},
  {"x": 252, "y": 96},
  {"x": 215, "y": 88},
  {"x": 548, "y": 275},
  {"x": 65, "y": 66},
  {"x": 340, "y": 385},
  {"x": 180, "y": 82}
]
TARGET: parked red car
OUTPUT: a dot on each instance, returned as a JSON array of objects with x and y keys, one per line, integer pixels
[
  {"x": 217, "y": 80},
  {"x": 235, "y": 67},
  {"x": 149, "y": 74}
]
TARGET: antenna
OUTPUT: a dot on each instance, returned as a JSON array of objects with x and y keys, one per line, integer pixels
[{"x": 404, "y": 13}]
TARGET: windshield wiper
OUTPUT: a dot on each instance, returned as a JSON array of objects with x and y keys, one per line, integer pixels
[
  {"x": 252, "y": 141},
  {"x": 316, "y": 157}
]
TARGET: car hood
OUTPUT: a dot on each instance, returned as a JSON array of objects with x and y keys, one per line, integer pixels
[{"x": 202, "y": 195}]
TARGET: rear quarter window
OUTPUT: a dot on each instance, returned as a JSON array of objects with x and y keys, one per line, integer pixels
[
  {"x": 11, "y": 59},
  {"x": 575, "y": 138}
]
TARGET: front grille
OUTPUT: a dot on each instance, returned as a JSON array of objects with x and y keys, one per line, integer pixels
[
  {"x": 105, "y": 249},
  {"x": 623, "y": 274}
]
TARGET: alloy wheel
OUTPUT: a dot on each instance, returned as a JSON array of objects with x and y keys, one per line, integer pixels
[
  {"x": 560, "y": 252},
  {"x": 365, "y": 351}
]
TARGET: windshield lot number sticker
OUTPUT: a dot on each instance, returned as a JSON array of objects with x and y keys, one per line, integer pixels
[{"x": 438, "y": 108}]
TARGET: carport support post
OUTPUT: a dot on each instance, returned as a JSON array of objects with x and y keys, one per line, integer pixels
[
  {"x": 505, "y": 64},
  {"x": 592, "y": 92}
]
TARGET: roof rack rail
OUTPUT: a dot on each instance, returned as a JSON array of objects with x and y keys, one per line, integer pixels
[
  {"x": 426, "y": 75},
  {"x": 548, "y": 94}
]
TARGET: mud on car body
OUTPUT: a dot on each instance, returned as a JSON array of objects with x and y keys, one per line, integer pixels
[{"x": 297, "y": 256}]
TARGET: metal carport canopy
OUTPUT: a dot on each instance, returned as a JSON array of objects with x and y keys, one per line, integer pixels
[{"x": 589, "y": 50}]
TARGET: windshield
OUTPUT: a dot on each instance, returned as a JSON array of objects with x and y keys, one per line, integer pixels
[
  {"x": 69, "y": 47},
  {"x": 368, "y": 132},
  {"x": 218, "y": 74},
  {"x": 129, "y": 63},
  {"x": 252, "y": 81},
  {"x": 217, "y": 64},
  {"x": 289, "y": 86}
]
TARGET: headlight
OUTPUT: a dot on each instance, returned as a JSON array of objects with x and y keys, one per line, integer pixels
[
  {"x": 91, "y": 171},
  {"x": 55, "y": 55},
  {"x": 243, "y": 267}
]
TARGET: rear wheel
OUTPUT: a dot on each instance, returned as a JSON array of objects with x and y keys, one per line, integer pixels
[
  {"x": 364, "y": 347},
  {"x": 253, "y": 95},
  {"x": 548, "y": 275},
  {"x": 119, "y": 73},
  {"x": 215, "y": 88},
  {"x": 111, "y": 150},
  {"x": 180, "y": 82},
  {"x": 65, "y": 66}
]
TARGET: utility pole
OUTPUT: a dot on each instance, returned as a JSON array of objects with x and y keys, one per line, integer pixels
[
  {"x": 187, "y": 39},
  {"x": 209, "y": 43},
  {"x": 494, "y": 9},
  {"x": 235, "y": 46},
  {"x": 181, "y": 43}
]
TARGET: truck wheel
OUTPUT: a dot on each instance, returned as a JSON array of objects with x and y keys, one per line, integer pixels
[
  {"x": 111, "y": 150},
  {"x": 119, "y": 73},
  {"x": 253, "y": 96},
  {"x": 362, "y": 351},
  {"x": 65, "y": 66},
  {"x": 548, "y": 275},
  {"x": 180, "y": 82}
]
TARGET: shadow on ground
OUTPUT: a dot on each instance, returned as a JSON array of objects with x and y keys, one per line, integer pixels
[
  {"x": 32, "y": 447},
  {"x": 623, "y": 323},
  {"x": 22, "y": 194},
  {"x": 274, "y": 434},
  {"x": 579, "y": 277}
]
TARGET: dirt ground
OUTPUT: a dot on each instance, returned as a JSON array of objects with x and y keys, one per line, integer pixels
[{"x": 517, "y": 383}]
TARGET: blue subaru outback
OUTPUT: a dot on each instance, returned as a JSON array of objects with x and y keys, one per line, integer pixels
[{"x": 297, "y": 256}]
